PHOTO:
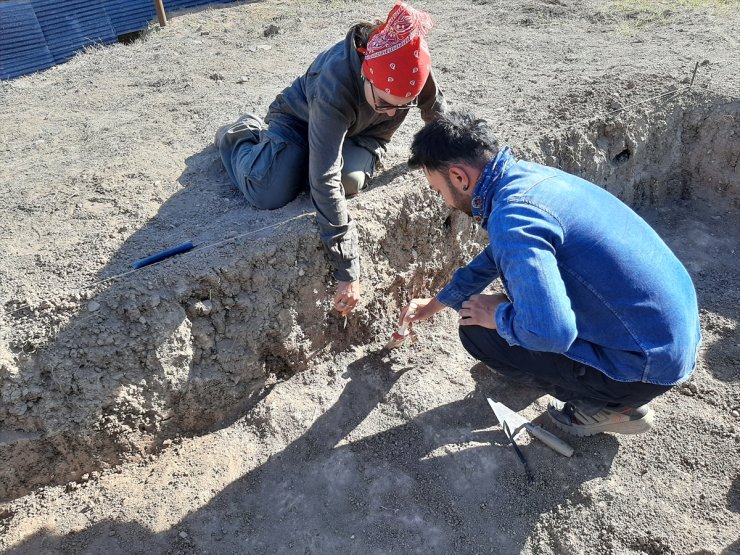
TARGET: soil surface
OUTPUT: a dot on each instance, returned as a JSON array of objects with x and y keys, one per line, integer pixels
[{"x": 109, "y": 157}]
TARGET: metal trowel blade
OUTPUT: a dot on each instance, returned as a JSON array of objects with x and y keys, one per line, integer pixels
[{"x": 503, "y": 413}]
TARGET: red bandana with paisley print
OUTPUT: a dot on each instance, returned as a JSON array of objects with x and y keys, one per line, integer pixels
[{"x": 397, "y": 58}]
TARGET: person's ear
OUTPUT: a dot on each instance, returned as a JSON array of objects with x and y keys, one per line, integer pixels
[{"x": 459, "y": 178}]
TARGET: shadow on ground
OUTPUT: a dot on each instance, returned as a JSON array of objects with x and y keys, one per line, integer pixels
[
  {"x": 181, "y": 347},
  {"x": 439, "y": 483},
  {"x": 709, "y": 252}
]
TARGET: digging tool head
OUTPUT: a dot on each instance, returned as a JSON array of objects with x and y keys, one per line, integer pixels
[
  {"x": 397, "y": 339},
  {"x": 516, "y": 422}
]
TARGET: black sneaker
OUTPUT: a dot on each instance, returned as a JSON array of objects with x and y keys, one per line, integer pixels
[{"x": 617, "y": 419}]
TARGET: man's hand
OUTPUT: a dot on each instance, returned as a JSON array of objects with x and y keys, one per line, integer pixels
[
  {"x": 480, "y": 310},
  {"x": 425, "y": 309},
  {"x": 347, "y": 297}
]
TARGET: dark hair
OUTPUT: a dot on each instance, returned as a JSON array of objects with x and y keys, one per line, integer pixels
[
  {"x": 363, "y": 29},
  {"x": 452, "y": 138}
]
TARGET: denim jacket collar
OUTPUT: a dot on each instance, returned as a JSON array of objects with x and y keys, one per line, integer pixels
[{"x": 485, "y": 188}]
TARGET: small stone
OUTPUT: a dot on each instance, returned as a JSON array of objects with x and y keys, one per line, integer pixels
[
  {"x": 735, "y": 414},
  {"x": 203, "y": 308},
  {"x": 264, "y": 47},
  {"x": 183, "y": 535},
  {"x": 92, "y": 306},
  {"x": 243, "y": 79},
  {"x": 271, "y": 30},
  {"x": 216, "y": 77}
]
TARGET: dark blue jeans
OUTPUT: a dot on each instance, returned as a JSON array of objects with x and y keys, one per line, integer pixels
[{"x": 561, "y": 377}]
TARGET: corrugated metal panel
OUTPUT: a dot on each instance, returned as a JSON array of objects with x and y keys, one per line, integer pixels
[
  {"x": 128, "y": 16},
  {"x": 172, "y": 5},
  {"x": 73, "y": 24},
  {"x": 36, "y": 34},
  {"x": 22, "y": 45}
]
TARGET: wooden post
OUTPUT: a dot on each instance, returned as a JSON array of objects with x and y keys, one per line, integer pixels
[{"x": 161, "y": 15}]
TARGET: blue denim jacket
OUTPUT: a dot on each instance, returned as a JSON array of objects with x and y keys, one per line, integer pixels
[{"x": 586, "y": 276}]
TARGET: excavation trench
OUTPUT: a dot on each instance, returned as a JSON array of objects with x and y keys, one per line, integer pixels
[{"x": 193, "y": 343}]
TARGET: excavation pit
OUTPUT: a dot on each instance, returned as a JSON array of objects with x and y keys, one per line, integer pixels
[{"x": 111, "y": 372}]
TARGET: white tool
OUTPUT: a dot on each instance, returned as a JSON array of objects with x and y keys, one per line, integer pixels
[
  {"x": 517, "y": 423},
  {"x": 403, "y": 331}
]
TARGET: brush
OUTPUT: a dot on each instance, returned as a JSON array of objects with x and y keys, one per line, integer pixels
[{"x": 400, "y": 335}]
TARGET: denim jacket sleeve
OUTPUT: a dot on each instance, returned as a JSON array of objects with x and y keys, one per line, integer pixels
[
  {"x": 327, "y": 128},
  {"x": 539, "y": 316},
  {"x": 469, "y": 280}
]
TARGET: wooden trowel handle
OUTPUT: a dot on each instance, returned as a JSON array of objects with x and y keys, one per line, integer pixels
[{"x": 553, "y": 442}]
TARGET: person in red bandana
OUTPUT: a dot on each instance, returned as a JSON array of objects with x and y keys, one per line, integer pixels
[{"x": 327, "y": 131}]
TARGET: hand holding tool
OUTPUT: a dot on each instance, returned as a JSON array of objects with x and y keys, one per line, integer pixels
[{"x": 403, "y": 331}]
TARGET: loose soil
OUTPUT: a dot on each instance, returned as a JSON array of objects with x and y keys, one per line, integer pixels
[{"x": 214, "y": 404}]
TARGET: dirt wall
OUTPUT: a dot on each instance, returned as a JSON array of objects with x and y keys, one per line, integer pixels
[
  {"x": 686, "y": 147},
  {"x": 190, "y": 344}
]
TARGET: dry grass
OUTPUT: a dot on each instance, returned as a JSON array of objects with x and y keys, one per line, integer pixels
[{"x": 634, "y": 15}]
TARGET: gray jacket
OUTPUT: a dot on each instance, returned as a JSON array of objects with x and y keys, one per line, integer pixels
[{"x": 326, "y": 105}]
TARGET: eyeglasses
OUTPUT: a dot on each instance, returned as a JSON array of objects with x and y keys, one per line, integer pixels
[{"x": 384, "y": 106}]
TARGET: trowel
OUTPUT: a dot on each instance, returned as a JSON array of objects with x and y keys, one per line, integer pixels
[
  {"x": 517, "y": 424},
  {"x": 404, "y": 330}
]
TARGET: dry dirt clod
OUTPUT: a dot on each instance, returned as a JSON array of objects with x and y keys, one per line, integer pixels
[{"x": 271, "y": 30}]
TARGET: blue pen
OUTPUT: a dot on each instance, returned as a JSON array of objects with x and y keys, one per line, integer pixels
[{"x": 185, "y": 247}]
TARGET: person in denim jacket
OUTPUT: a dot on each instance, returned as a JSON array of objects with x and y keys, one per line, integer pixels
[
  {"x": 597, "y": 310},
  {"x": 326, "y": 132}
]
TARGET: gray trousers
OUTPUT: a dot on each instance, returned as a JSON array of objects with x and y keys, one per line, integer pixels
[{"x": 269, "y": 165}]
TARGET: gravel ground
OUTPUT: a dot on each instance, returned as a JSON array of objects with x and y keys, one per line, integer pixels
[{"x": 362, "y": 451}]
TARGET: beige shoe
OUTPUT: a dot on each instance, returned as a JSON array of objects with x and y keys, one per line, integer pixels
[{"x": 617, "y": 419}]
